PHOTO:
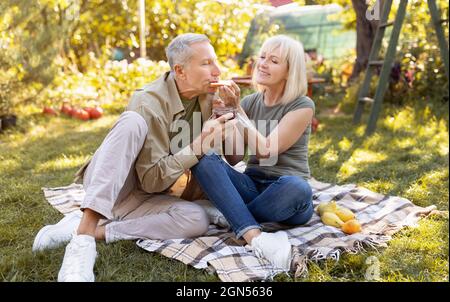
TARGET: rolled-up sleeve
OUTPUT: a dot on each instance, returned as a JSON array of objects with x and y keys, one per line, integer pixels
[{"x": 160, "y": 175}]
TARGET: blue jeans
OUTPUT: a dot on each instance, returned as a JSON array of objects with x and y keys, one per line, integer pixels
[{"x": 249, "y": 198}]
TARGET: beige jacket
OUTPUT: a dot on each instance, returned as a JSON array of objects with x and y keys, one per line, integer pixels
[{"x": 157, "y": 168}]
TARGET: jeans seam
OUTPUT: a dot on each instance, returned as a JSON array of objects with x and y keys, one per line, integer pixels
[
  {"x": 305, "y": 210},
  {"x": 248, "y": 188},
  {"x": 243, "y": 184}
]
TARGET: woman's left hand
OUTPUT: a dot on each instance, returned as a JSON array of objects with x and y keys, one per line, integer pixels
[{"x": 230, "y": 95}]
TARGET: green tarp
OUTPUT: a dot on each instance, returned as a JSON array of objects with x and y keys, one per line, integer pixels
[{"x": 313, "y": 25}]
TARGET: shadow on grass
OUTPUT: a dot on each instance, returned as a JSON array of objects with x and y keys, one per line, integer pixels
[
  {"x": 399, "y": 168},
  {"x": 68, "y": 144}
]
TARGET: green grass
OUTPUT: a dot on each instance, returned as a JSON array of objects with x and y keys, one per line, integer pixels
[{"x": 407, "y": 156}]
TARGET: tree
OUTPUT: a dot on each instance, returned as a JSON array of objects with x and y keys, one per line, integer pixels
[
  {"x": 38, "y": 37},
  {"x": 31, "y": 35},
  {"x": 365, "y": 34},
  {"x": 97, "y": 30}
]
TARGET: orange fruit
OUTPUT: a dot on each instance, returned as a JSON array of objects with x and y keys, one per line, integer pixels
[{"x": 352, "y": 226}]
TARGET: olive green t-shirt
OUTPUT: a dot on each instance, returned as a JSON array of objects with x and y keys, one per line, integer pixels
[
  {"x": 190, "y": 106},
  {"x": 293, "y": 161}
]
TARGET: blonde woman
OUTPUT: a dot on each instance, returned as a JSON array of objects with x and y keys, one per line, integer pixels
[{"x": 279, "y": 191}]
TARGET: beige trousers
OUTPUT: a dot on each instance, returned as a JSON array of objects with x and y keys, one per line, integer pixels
[{"x": 112, "y": 189}]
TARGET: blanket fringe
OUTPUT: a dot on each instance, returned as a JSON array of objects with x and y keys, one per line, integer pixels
[
  {"x": 301, "y": 269},
  {"x": 316, "y": 255}
]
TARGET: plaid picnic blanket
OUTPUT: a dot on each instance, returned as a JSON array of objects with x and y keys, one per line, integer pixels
[{"x": 220, "y": 252}]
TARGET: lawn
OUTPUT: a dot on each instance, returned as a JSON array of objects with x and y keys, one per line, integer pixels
[{"x": 407, "y": 156}]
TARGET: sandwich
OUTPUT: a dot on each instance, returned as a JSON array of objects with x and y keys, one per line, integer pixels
[{"x": 220, "y": 83}]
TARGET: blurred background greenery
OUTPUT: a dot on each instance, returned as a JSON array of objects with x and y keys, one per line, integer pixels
[
  {"x": 87, "y": 52},
  {"x": 83, "y": 51}
]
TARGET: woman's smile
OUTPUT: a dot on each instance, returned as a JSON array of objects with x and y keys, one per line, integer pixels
[{"x": 263, "y": 73}]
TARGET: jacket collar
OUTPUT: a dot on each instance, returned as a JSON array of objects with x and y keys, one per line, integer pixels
[
  {"x": 174, "y": 96},
  {"x": 205, "y": 100}
]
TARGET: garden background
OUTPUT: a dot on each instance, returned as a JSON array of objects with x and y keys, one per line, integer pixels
[{"x": 56, "y": 51}]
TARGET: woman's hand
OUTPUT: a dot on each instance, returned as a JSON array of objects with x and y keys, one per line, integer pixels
[{"x": 230, "y": 95}]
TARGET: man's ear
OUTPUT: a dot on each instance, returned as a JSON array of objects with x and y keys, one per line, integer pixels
[{"x": 179, "y": 72}]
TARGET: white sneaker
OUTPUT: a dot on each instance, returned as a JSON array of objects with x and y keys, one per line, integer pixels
[
  {"x": 275, "y": 247},
  {"x": 215, "y": 216},
  {"x": 55, "y": 235},
  {"x": 79, "y": 260}
]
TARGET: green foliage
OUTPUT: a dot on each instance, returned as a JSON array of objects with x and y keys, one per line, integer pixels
[
  {"x": 225, "y": 22},
  {"x": 30, "y": 37},
  {"x": 407, "y": 156},
  {"x": 419, "y": 53},
  {"x": 41, "y": 39},
  {"x": 110, "y": 82},
  {"x": 97, "y": 30},
  {"x": 103, "y": 83}
]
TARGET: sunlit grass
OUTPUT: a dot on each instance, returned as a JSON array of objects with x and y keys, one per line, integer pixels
[
  {"x": 422, "y": 190},
  {"x": 407, "y": 156},
  {"x": 331, "y": 156},
  {"x": 345, "y": 144},
  {"x": 379, "y": 185},
  {"x": 8, "y": 164},
  {"x": 105, "y": 122},
  {"x": 404, "y": 142},
  {"x": 359, "y": 161},
  {"x": 421, "y": 252},
  {"x": 63, "y": 162}
]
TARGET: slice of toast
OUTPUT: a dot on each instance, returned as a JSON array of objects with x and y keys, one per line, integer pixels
[{"x": 220, "y": 83}]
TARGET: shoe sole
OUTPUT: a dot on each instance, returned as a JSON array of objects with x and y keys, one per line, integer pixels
[{"x": 91, "y": 279}]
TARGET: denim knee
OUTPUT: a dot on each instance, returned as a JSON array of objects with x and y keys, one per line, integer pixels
[
  {"x": 206, "y": 161},
  {"x": 298, "y": 188}
]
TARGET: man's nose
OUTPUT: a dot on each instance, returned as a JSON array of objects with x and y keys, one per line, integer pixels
[{"x": 216, "y": 70}]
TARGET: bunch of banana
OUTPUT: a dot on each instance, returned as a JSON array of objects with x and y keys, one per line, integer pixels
[{"x": 338, "y": 216}]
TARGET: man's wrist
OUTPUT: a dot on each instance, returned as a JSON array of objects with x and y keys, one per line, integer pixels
[{"x": 196, "y": 147}]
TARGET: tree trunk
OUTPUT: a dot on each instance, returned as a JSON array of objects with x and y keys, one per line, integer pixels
[{"x": 365, "y": 34}]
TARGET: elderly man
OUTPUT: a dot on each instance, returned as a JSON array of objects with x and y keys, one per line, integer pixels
[{"x": 127, "y": 179}]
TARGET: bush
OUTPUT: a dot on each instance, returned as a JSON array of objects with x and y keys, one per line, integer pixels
[{"x": 110, "y": 83}]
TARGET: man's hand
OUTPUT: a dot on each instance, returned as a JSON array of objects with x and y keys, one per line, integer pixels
[{"x": 213, "y": 133}]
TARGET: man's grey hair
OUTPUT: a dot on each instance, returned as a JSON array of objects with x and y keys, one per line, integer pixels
[{"x": 179, "y": 50}]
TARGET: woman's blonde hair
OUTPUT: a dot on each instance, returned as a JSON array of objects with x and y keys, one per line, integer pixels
[{"x": 294, "y": 55}]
